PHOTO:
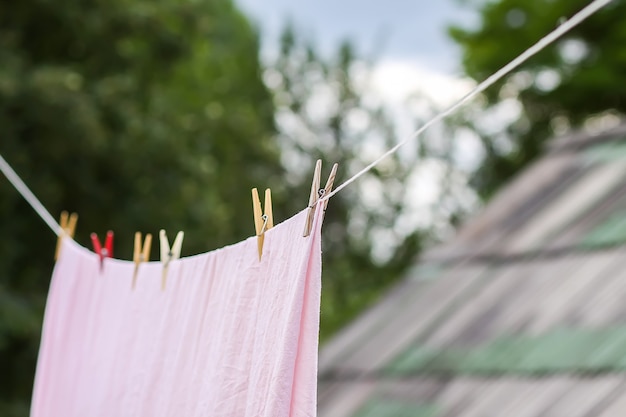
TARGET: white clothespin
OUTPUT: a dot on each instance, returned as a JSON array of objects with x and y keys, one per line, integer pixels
[{"x": 168, "y": 254}]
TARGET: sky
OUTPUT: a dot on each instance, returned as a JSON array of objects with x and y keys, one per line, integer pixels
[
  {"x": 400, "y": 29},
  {"x": 408, "y": 38}
]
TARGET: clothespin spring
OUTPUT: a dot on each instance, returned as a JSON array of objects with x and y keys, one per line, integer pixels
[{"x": 265, "y": 218}]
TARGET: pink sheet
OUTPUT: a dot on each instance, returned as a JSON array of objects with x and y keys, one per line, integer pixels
[{"x": 230, "y": 336}]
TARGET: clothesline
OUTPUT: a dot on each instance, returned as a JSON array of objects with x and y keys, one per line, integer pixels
[
  {"x": 29, "y": 196},
  {"x": 565, "y": 27}
]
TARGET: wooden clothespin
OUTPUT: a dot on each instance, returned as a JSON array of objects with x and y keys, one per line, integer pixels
[
  {"x": 107, "y": 251},
  {"x": 317, "y": 193},
  {"x": 68, "y": 224},
  {"x": 141, "y": 253},
  {"x": 262, "y": 222},
  {"x": 169, "y": 254}
]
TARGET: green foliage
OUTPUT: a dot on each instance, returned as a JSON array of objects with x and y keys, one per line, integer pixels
[
  {"x": 325, "y": 112},
  {"x": 578, "y": 77},
  {"x": 138, "y": 115}
]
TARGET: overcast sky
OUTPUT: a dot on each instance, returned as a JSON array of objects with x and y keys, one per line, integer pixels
[
  {"x": 407, "y": 37},
  {"x": 406, "y": 30}
]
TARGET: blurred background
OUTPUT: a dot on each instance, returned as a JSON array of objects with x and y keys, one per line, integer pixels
[{"x": 141, "y": 115}]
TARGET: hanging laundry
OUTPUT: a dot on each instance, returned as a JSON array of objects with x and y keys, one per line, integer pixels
[{"x": 231, "y": 335}]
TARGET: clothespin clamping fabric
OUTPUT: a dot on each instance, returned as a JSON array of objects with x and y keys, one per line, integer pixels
[
  {"x": 169, "y": 254},
  {"x": 107, "y": 251},
  {"x": 68, "y": 224},
  {"x": 141, "y": 253},
  {"x": 262, "y": 222},
  {"x": 317, "y": 193}
]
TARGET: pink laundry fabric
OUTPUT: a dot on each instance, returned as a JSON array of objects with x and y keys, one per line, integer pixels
[{"x": 230, "y": 335}]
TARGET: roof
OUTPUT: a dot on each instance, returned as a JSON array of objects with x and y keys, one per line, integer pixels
[{"x": 522, "y": 314}]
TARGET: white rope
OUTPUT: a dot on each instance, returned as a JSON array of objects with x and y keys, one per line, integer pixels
[
  {"x": 545, "y": 41},
  {"x": 29, "y": 196}
]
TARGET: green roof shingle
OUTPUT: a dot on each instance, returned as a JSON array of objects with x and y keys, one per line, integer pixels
[
  {"x": 390, "y": 408},
  {"x": 562, "y": 350}
]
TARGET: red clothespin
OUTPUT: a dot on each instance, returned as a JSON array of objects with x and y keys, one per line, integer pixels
[{"x": 107, "y": 251}]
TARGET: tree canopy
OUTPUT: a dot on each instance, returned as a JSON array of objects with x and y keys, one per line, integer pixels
[{"x": 579, "y": 77}]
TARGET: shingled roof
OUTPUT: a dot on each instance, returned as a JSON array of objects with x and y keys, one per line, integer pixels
[{"x": 523, "y": 314}]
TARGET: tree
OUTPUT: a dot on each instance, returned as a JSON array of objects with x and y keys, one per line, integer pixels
[
  {"x": 324, "y": 110},
  {"x": 561, "y": 88},
  {"x": 136, "y": 114}
]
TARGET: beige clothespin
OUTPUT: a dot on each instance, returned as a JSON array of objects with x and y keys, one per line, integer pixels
[
  {"x": 169, "y": 254},
  {"x": 262, "y": 222},
  {"x": 141, "y": 253},
  {"x": 68, "y": 224},
  {"x": 317, "y": 193}
]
